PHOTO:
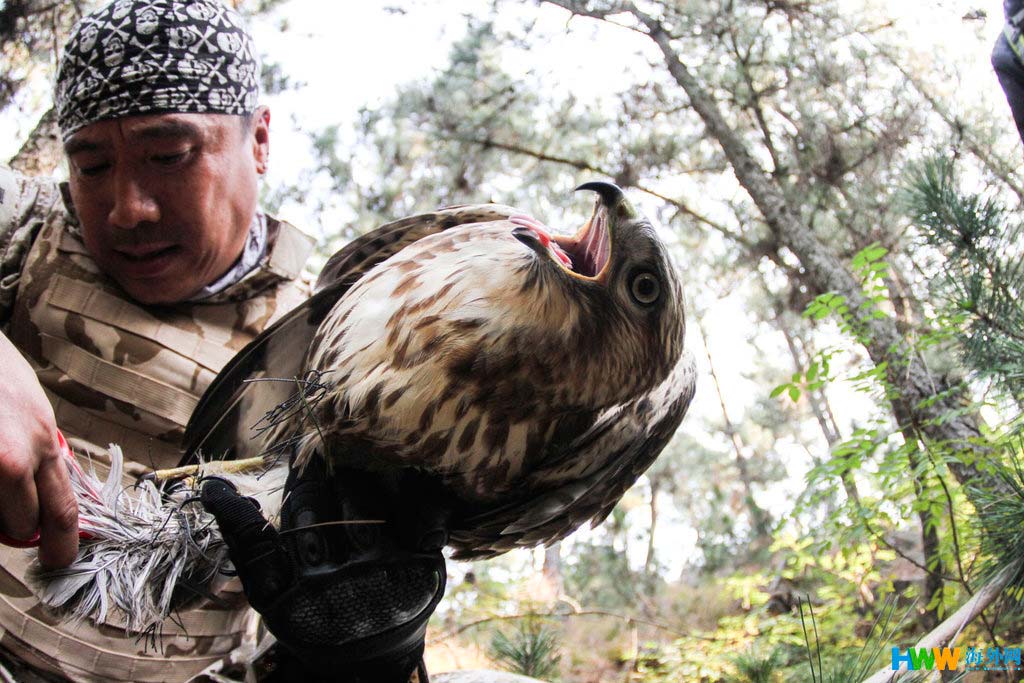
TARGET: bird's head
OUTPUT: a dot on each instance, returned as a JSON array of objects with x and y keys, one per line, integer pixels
[{"x": 629, "y": 323}]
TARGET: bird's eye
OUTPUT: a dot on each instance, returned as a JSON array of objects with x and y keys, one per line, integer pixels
[{"x": 645, "y": 288}]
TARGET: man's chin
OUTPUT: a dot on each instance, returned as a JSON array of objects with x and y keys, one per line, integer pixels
[
  {"x": 165, "y": 277},
  {"x": 157, "y": 292}
]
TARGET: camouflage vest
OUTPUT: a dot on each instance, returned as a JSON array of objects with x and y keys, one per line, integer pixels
[{"x": 116, "y": 372}]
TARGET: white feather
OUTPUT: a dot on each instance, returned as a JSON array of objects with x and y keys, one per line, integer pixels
[{"x": 145, "y": 541}]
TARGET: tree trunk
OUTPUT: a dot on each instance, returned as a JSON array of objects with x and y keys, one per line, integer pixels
[
  {"x": 552, "y": 569},
  {"x": 650, "y": 565},
  {"x": 41, "y": 153}
]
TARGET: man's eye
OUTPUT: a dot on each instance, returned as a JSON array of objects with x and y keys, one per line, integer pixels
[
  {"x": 91, "y": 170},
  {"x": 170, "y": 159}
]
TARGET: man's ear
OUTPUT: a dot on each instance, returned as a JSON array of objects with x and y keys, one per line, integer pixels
[{"x": 259, "y": 135}]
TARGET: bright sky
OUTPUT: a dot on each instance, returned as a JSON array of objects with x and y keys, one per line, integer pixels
[{"x": 349, "y": 55}]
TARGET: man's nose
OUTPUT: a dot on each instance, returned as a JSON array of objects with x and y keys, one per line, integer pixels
[{"x": 133, "y": 203}]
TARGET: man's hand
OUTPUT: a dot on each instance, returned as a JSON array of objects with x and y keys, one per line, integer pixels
[
  {"x": 349, "y": 582},
  {"x": 35, "y": 493}
]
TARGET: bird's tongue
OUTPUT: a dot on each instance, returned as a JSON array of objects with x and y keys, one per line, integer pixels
[
  {"x": 595, "y": 245},
  {"x": 590, "y": 248},
  {"x": 555, "y": 247}
]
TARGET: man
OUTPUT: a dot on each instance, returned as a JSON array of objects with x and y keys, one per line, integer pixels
[
  {"x": 1008, "y": 60},
  {"x": 122, "y": 293}
]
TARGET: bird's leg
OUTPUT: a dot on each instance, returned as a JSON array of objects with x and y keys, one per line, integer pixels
[{"x": 212, "y": 468}]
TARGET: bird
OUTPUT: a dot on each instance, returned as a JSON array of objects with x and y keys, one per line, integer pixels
[
  {"x": 527, "y": 379},
  {"x": 532, "y": 376}
]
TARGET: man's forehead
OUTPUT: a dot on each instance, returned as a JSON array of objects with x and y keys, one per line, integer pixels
[{"x": 146, "y": 128}]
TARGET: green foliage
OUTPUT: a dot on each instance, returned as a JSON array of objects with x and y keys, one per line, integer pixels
[
  {"x": 531, "y": 649},
  {"x": 850, "y": 667},
  {"x": 871, "y": 269},
  {"x": 600, "y": 575},
  {"x": 817, "y": 374},
  {"x": 982, "y": 276},
  {"x": 1002, "y": 516},
  {"x": 754, "y": 667}
]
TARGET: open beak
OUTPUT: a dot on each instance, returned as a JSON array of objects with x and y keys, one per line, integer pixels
[{"x": 586, "y": 254}]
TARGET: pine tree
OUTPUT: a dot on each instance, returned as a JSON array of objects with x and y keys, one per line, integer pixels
[{"x": 982, "y": 280}]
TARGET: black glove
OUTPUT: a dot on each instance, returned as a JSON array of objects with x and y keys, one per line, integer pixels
[{"x": 350, "y": 601}]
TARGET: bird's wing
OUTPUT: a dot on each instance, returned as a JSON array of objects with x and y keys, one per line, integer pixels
[
  {"x": 358, "y": 256},
  {"x": 618, "y": 448},
  {"x": 222, "y": 424}
]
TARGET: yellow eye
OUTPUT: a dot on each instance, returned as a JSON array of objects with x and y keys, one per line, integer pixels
[{"x": 645, "y": 288}]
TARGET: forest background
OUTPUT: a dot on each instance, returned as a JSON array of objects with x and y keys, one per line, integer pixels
[{"x": 839, "y": 180}]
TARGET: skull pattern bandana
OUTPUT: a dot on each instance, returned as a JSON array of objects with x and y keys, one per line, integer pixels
[{"x": 153, "y": 57}]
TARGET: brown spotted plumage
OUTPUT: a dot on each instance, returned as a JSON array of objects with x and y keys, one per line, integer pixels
[{"x": 534, "y": 377}]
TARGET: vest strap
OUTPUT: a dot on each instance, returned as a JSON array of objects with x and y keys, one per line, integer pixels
[
  {"x": 85, "y": 661},
  {"x": 119, "y": 382},
  {"x": 145, "y": 453},
  {"x": 96, "y": 303}
]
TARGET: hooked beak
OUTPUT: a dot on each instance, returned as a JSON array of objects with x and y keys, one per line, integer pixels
[{"x": 609, "y": 193}]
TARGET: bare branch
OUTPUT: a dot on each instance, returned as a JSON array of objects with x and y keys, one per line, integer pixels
[
  {"x": 629, "y": 619},
  {"x": 581, "y": 165},
  {"x": 947, "y": 632}
]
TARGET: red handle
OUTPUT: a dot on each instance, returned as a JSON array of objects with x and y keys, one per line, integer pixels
[{"x": 19, "y": 543}]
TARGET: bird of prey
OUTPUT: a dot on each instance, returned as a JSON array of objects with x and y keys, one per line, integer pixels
[{"x": 533, "y": 376}]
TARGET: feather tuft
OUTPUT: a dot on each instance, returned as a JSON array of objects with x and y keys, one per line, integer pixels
[{"x": 146, "y": 543}]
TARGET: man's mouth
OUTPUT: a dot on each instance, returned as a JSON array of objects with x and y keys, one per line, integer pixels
[
  {"x": 586, "y": 254},
  {"x": 147, "y": 252},
  {"x": 146, "y": 261}
]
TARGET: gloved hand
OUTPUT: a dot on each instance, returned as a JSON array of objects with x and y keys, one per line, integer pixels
[{"x": 351, "y": 579}]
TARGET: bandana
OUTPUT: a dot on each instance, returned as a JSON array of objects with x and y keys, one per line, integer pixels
[{"x": 153, "y": 57}]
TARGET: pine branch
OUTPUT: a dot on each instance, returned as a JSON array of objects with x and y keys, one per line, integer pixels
[{"x": 982, "y": 280}]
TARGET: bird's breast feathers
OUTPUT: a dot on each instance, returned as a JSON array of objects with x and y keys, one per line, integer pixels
[
  {"x": 412, "y": 350},
  {"x": 472, "y": 356}
]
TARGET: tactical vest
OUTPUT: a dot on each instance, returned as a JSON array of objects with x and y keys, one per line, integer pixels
[{"x": 119, "y": 373}]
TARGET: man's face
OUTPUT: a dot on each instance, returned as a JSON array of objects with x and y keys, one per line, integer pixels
[{"x": 165, "y": 201}]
